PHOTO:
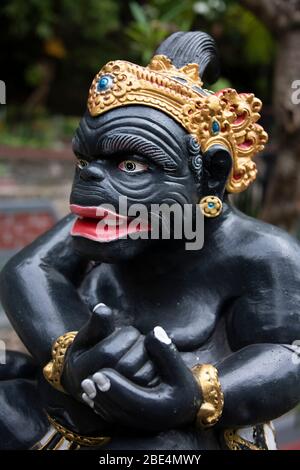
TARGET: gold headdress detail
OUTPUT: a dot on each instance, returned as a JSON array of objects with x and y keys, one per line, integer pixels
[{"x": 225, "y": 118}]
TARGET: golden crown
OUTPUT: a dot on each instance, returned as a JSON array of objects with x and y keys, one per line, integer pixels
[{"x": 226, "y": 118}]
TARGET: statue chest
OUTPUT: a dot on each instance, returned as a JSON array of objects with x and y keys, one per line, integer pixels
[{"x": 190, "y": 312}]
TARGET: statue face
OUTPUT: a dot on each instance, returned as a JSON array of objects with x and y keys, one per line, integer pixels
[{"x": 134, "y": 152}]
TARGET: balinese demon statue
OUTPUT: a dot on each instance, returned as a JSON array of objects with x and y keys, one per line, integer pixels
[{"x": 137, "y": 342}]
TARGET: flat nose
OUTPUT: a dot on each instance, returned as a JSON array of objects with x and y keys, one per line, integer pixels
[{"x": 92, "y": 172}]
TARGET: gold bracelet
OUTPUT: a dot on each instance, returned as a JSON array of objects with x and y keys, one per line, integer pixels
[
  {"x": 211, "y": 409},
  {"x": 77, "y": 438},
  {"x": 53, "y": 370}
]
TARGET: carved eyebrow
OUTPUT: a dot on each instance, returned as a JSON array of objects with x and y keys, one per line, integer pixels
[
  {"x": 79, "y": 145},
  {"x": 117, "y": 142}
]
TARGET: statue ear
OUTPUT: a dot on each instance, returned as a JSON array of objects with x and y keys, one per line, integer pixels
[{"x": 217, "y": 165}]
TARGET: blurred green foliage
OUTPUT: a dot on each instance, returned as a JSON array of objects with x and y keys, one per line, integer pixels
[
  {"x": 74, "y": 39},
  {"x": 258, "y": 44},
  {"x": 52, "y": 49},
  {"x": 41, "y": 131},
  {"x": 65, "y": 29},
  {"x": 47, "y": 18},
  {"x": 154, "y": 21}
]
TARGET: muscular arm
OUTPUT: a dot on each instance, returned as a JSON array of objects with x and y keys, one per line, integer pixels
[
  {"x": 261, "y": 379},
  {"x": 260, "y": 383},
  {"x": 34, "y": 286}
]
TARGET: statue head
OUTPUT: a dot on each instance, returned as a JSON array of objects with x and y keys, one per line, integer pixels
[{"x": 156, "y": 135}]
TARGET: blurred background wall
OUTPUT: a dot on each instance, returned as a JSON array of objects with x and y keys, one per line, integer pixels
[{"x": 50, "y": 52}]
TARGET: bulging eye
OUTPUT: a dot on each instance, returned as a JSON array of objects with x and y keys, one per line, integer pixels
[
  {"x": 82, "y": 163},
  {"x": 130, "y": 166}
]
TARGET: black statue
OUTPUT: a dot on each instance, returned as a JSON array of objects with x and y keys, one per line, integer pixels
[{"x": 139, "y": 343}]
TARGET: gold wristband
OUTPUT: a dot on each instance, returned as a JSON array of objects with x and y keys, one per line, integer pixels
[
  {"x": 73, "y": 437},
  {"x": 53, "y": 370},
  {"x": 211, "y": 409}
]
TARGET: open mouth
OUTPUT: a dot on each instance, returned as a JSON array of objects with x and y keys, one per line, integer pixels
[{"x": 103, "y": 225}]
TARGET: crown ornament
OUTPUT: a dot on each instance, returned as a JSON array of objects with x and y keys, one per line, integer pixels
[{"x": 224, "y": 118}]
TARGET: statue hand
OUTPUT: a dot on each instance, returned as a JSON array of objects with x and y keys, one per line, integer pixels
[
  {"x": 172, "y": 402},
  {"x": 99, "y": 344}
]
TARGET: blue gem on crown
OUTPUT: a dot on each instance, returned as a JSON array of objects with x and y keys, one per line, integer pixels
[
  {"x": 215, "y": 128},
  {"x": 211, "y": 205},
  {"x": 104, "y": 83}
]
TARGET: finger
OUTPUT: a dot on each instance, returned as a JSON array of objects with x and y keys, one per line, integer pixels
[
  {"x": 103, "y": 413},
  {"x": 133, "y": 359},
  {"x": 99, "y": 326},
  {"x": 133, "y": 405},
  {"x": 166, "y": 357},
  {"x": 102, "y": 382},
  {"x": 146, "y": 375},
  {"x": 98, "y": 408},
  {"x": 103, "y": 406},
  {"x": 154, "y": 382},
  {"x": 117, "y": 389},
  {"x": 87, "y": 400},
  {"x": 89, "y": 397},
  {"x": 108, "y": 410},
  {"x": 108, "y": 352},
  {"x": 124, "y": 401},
  {"x": 89, "y": 388}
]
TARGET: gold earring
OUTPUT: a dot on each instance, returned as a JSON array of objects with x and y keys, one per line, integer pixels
[{"x": 211, "y": 206}]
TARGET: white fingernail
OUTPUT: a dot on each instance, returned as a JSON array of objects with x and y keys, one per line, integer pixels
[
  {"x": 161, "y": 335},
  {"x": 87, "y": 400},
  {"x": 98, "y": 305},
  {"x": 103, "y": 383},
  {"x": 89, "y": 387}
]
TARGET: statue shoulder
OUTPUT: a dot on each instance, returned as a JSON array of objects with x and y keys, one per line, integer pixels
[
  {"x": 261, "y": 242},
  {"x": 267, "y": 307}
]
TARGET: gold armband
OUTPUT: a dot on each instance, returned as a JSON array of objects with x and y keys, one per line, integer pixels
[
  {"x": 59, "y": 437},
  {"x": 53, "y": 370},
  {"x": 211, "y": 409},
  {"x": 71, "y": 436}
]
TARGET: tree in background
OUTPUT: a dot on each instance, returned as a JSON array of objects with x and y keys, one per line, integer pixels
[
  {"x": 282, "y": 18},
  {"x": 52, "y": 49},
  {"x": 48, "y": 44}
]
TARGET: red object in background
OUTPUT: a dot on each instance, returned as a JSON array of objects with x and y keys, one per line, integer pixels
[
  {"x": 18, "y": 229},
  {"x": 290, "y": 446}
]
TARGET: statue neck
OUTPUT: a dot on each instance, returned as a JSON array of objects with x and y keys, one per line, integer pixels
[{"x": 168, "y": 258}]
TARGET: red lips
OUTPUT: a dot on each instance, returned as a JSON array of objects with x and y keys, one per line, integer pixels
[{"x": 104, "y": 225}]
